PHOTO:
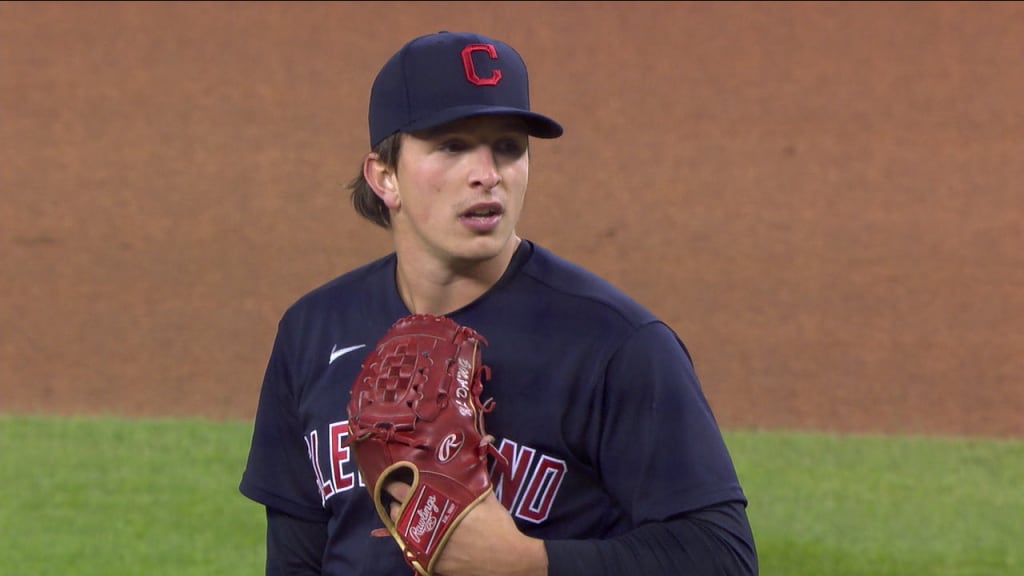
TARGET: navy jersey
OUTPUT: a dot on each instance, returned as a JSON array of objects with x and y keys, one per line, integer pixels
[{"x": 597, "y": 409}]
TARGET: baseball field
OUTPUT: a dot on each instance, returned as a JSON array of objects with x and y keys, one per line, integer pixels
[
  {"x": 824, "y": 199},
  {"x": 119, "y": 497}
]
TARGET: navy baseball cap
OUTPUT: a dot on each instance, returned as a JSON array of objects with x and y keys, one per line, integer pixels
[{"x": 438, "y": 78}]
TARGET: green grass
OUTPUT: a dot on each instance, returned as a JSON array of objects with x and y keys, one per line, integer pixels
[
  {"x": 883, "y": 506},
  {"x": 109, "y": 497},
  {"x": 92, "y": 496}
]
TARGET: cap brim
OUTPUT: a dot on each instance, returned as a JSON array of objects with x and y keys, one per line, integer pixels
[{"x": 537, "y": 125}]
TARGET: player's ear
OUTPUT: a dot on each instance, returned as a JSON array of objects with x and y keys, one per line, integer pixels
[{"x": 381, "y": 179}]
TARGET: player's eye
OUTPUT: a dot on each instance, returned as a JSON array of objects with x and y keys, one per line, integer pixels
[
  {"x": 453, "y": 145},
  {"x": 510, "y": 147}
]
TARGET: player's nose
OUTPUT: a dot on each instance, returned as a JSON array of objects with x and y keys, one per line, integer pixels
[{"x": 484, "y": 168}]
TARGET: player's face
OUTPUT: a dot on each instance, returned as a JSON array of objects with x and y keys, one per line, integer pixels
[{"x": 460, "y": 190}]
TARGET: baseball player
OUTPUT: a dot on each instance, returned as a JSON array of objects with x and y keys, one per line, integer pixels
[{"x": 615, "y": 462}]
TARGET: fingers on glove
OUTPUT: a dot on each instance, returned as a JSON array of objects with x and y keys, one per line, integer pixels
[
  {"x": 394, "y": 493},
  {"x": 398, "y": 493}
]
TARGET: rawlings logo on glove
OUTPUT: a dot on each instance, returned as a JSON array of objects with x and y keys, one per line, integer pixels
[{"x": 415, "y": 415}]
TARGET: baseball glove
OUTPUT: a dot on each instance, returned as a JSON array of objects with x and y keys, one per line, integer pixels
[{"x": 415, "y": 415}]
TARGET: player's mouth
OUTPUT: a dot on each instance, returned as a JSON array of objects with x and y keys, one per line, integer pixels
[{"x": 482, "y": 217}]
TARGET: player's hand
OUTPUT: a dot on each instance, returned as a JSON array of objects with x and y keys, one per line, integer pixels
[{"x": 486, "y": 542}]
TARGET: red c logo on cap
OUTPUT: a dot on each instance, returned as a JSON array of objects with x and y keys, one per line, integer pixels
[{"x": 467, "y": 63}]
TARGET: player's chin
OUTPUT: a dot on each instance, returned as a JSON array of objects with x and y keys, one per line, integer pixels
[{"x": 481, "y": 247}]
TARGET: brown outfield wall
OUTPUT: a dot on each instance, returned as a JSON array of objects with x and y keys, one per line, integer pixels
[{"x": 825, "y": 200}]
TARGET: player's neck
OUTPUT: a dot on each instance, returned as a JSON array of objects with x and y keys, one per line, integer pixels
[{"x": 429, "y": 286}]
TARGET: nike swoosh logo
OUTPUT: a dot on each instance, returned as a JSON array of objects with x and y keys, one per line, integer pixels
[{"x": 336, "y": 353}]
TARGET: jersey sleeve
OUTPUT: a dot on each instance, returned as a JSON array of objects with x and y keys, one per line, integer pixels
[
  {"x": 663, "y": 453},
  {"x": 279, "y": 473},
  {"x": 712, "y": 541}
]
